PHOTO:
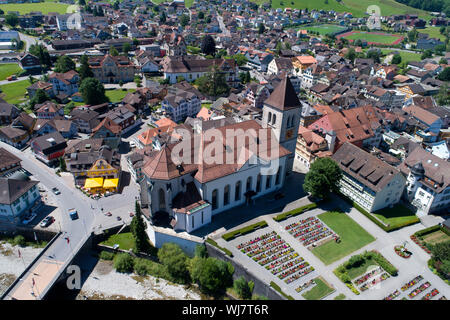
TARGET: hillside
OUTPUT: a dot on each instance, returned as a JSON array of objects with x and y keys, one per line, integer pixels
[{"x": 356, "y": 7}]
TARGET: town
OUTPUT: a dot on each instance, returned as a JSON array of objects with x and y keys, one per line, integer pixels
[{"x": 249, "y": 150}]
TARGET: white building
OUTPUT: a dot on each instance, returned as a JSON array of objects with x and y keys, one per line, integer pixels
[
  {"x": 180, "y": 104},
  {"x": 428, "y": 182},
  {"x": 367, "y": 180}
]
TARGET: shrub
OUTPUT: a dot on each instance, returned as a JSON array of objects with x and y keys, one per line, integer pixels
[
  {"x": 212, "y": 242},
  {"x": 231, "y": 235},
  {"x": 105, "y": 255},
  {"x": 426, "y": 231},
  {"x": 242, "y": 288},
  {"x": 175, "y": 260},
  {"x": 19, "y": 241},
  {"x": 259, "y": 297},
  {"x": 140, "y": 267},
  {"x": 351, "y": 287},
  {"x": 386, "y": 265},
  {"x": 354, "y": 262},
  {"x": 293, "y": 213},
  {"x": 123, "y": 262}
]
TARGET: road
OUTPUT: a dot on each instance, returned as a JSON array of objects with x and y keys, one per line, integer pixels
[{"x": 225, "y": 31}]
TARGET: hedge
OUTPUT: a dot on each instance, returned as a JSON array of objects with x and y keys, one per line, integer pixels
[
  {"x": 383, "y": 262},
  {"x": 293, "y": 213},
  {"x": 426, "y": 231},
  {"x": 240, "y": 232},
  {"x": 212, "y": 242},
  {"x": 375, "y": 220},
  {"x": 278, "y": 289}
]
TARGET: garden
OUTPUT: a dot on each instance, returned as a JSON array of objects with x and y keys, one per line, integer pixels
[
  {"x": 361, "y": 272},
  {"x": 273, "y": 253},
  {"x": 414, "y": 288},
  {"x": 320, "y": 290},
  {"x": 352, "y": 237},
  {"x": 309, "y": 231}
]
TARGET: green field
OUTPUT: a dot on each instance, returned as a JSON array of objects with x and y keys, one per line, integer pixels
[
  {"x": 356, "y": 7},
  {"x": 124, "y": 240},
  {"x": 406, "y": 56},
  {"x": 23, "y": 8},
  {"x": 396, "y": 215},
  {"x": 353, "y": 237},
  {"x": 371, "y": 37},
  {"x": 320, "y": 290},
  {"x": 324, "y": 29},
  {"x": 15, "y": 92},
  {"x": 433, "y": 32},
  {"x": 118, "y": 94},
  {"x": 8, "y": 69}
]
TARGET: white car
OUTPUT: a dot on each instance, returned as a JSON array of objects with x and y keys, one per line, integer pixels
[
  {"x": 133, "y": 144},
  {"x": 29, "y": 218}
]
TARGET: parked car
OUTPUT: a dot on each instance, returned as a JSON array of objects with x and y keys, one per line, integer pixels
[
  {"x": 47, "y": 221},
  {"x": 131, "y": 214},
  {"x": 30, "y": 217},
  {"x": 118, "y": 218},
  {"x": 132, "y": 144},
  {"x": 56, "y": 190},
  {"x": 109, "y": 214},
  {"x": 11, "y": 78}
]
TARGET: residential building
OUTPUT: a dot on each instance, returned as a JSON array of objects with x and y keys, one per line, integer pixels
[
  {"x": 370, "y": 182},
  {"x": 9, "y": 163},
  {"x": 310, "y": 146},
  {"x": 49, "y": 147},
  {"x": 109, "y": 69},
  {"x": 66, "y": 83},
  {"x": 180, "y": 104}
]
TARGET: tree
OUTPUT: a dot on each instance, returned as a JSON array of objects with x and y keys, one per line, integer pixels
[
  {"x": 62, "y": 164},
  {"x": 82, "y": 2},
  {"x": 287, "y": 46},
  {"x": 427, "y": 54},
  {"x": 135, "y": 42},
  {"x": 439, "y": 49},
  {"x": 396, "y": 59},
  {"x": 351, "y": 54},
  {"x": 137, "y": 228},
  {"x": 201, "y": 15},
  {"x": 322, "y": 178},
  {"x": 126, "y": 48},
  {"x": 93, "y": 91},
  {"x": 412, "y": 35},
  {"x": 443, "y": 61},
  {"x": 444, "y": 75},
  {"x": 162, "y": 17},
  {"x": 212, "y": 275},
  {"x": 39, "y": 97},
  {"x": 242, "y": 288},
  {"x": 261, "y": 28},
  {"x": 279, "y": 47},
  {"x": 39, "y": 51},
  {"x": 200, "y": 251},
  {"x": 64, "y": 64},
  {"x": 240, "y": 59},
  {"x": 116, "y": 5},
  {"x": 12, "y": 20},
  {"x": 208, "y": 45},
  {"x": 85, "y": 70},
  {"x": 213, "y": 83},
  {"x": 184, "y": 20},
  {"x": 374, "y": 54},
  {"x": 31, "y": 79},
  {"x": 175, "y": 260},
  {"x": 113, "y": 51},
  {"x": 441, "y": 251}
]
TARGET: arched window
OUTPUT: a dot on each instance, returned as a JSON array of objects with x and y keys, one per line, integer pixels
[
  {"x": 274, "y": 118},
  {"x": 269, "y": 117},
  {"x": 258, "y": 183},
  {"x": 268, "y": 181},
  {"x": 226, "y": 195},
  {"x": 278, "y": 180},
  {"x": 249, "y": 184},
  {"x": 237, "y": 193},
  {"x": 162, "y": 199},
  {"x": 214, "y": 199}
]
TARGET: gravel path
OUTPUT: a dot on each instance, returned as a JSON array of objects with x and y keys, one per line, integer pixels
[
  {"x": 104, "y": 283},
  {"x": 11, "y": 266}
]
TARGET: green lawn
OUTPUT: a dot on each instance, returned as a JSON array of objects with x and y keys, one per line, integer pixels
[
  {"x": 320, "y": 290},
  {"x": 372, "y": 37},
  {"x": 356, "y": 7},
  {"x": 23, "y": 8},
  {"x": 406, "y": 56},
  {"x": 8, "y": 69},
  {"x": 117, "y": 95},
  {"x": 124, "y": 240},
  {"x": 207, "y": 105},
  {"x": 15, "y": 92},
  {"x": 324, "y": 29},
  {"x": 396, "y": 215},
  {"x": 357, "y": 271},
  {"x": 353, "y": 237}
]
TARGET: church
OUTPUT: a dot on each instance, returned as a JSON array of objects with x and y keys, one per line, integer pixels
[{"x": 191, "y": 176}]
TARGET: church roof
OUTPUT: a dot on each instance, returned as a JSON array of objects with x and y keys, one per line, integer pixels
[{"x": 284, "y": 96}]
